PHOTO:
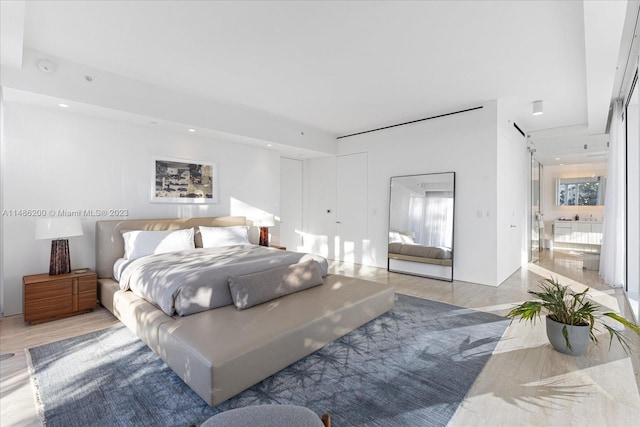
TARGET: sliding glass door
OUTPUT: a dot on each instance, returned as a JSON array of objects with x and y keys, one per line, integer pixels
[
  {"x": 536, "y": 224},
  {"x": 633, "y": 200}
]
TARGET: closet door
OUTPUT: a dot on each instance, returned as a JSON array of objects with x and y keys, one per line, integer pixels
[
  {"x": 351, "y": 207},
  {"x": 514, "y": 162},
  {"x": 291, "y": 203}
]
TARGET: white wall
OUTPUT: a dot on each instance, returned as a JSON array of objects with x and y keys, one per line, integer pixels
[
  {"x": 2, "y": 180},
  {"x": 54, "y": 159},
  {"x": 287, "y": 230},
  {"x": 400, "y": 200},
  {"x": 552, "y": 212},
  {"x": 462, "y": 143}
]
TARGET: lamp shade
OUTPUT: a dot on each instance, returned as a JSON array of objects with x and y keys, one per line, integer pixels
[
  {"x": 58, "y": 228},
  {"x": 266, "y": 220}
]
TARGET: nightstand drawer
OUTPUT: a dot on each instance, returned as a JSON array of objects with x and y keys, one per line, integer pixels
[
  {"x": 47, "y": 309},
  {"x": 87, "y": 284},
  {"x": 87, "y": 300},
  {"x": 46, "y": 290}
]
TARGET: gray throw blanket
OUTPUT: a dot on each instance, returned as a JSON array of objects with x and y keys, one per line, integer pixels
[
  {"x": 435, "y": 252},
  {"x": 194, "y": 280}
]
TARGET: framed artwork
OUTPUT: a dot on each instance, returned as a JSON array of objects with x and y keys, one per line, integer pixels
[{"x": 184, "y": 181}]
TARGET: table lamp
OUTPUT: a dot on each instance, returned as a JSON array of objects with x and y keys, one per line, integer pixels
[
  {"x": 264, "y": 222},
  {"x": 58, "y": 229}
]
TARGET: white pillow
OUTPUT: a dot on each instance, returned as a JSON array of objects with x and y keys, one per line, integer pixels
[
  {"x": 406, "y": 239},
  {"x": 394, "y": 236},
  {"x": 215, "y": 237},
  {"x": 142, "y": 243}
]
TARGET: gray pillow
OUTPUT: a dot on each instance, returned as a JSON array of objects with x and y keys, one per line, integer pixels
[{"x": 253, "y": 289}]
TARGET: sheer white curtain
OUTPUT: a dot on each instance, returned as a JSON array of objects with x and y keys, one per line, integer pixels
[
  {"x": 431, "y": 218},
  {"x": 612, "y": 256}
]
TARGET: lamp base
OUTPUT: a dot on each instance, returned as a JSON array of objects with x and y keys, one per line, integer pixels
[
  {"x": 264, "y": 236},
  {"x": 60, "y": 262}
]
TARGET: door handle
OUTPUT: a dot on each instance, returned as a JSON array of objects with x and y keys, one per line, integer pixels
[
  {"x": 513, "y": 226},
  {"x": 338, "y": 222}
]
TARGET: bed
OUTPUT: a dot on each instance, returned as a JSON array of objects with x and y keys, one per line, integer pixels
[
  {"x": 419, "y": 253},
  {"x": 233, "y": 315},
  {"x": 405, "y": 255},
  {"x": 402, "y": 246}
]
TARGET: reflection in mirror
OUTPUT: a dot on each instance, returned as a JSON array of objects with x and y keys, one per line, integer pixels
[
  {"x": 585, "y": 191},
  {"x": 421, "y": 225}
]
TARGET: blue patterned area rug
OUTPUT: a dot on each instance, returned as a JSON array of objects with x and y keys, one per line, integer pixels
[{"x": 409, "y": 367}]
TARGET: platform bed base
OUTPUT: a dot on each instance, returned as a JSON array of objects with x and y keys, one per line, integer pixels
[{"x": 223, "y": 351}]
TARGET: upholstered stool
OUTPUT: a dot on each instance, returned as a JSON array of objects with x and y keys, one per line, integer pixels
[{"x": 268, "y": 416}]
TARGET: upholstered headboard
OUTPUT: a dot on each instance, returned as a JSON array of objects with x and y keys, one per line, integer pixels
[{"x": 110, "y": 245}]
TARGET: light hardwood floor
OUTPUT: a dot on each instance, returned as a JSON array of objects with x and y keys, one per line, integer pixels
[{"x": 524, "y": 383}]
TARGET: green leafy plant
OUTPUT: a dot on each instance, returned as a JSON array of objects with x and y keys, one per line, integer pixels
[{"x": 565, "y": 306}]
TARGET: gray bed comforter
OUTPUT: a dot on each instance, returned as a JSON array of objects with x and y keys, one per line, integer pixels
[
  {"x": 190, "y": 281},
  {"x": 435, "y": 252}
]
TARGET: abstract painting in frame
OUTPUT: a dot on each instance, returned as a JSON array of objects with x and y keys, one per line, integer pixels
[{"x": 184, "y": 181}]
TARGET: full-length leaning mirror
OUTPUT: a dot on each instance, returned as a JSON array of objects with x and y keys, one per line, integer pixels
[{"x": 421, "y": 225}]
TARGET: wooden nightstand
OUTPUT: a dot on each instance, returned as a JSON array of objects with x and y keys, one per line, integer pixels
[
  {"x": 282, "y": 248},
  {"x": 48, "y": 297}
]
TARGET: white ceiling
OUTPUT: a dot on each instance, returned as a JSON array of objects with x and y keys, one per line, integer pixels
[
  {"x": 341, "y": 67},
  {"x": 569, "y": 145}
]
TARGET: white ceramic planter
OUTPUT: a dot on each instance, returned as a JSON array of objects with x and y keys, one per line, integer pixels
[{"x": 578, "y": 337}]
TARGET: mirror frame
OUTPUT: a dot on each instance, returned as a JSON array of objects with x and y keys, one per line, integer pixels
[{"x": 415, "y": 268}]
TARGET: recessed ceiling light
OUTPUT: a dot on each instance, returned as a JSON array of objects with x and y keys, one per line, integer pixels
[
  {"x": 269, "y": 145},
  {"x": 46, "y": 66},
  {"x": 192, "y": 130},
  {"x": 557, "y": 158},
  {"x": 561, "y": 164},
  {"x": 537, "y": 108},
  {"x": 63, "y": 105}
]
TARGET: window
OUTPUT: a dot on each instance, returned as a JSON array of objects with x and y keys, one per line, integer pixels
[{"x": 580, "y": 191}]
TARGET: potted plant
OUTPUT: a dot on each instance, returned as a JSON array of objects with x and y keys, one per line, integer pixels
[{"x": 570, "y": 317}]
